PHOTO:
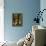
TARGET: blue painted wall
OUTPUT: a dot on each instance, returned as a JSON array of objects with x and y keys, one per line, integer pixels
[
  {"x": 28, "y": 9},
  {"x": 43, "y": 6}
]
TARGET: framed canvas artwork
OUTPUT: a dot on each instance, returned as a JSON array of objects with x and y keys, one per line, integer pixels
[{"x": 17, "y": 19}]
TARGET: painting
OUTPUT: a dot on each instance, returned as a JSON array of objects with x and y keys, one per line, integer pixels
[{"x": 17, "y": 19}]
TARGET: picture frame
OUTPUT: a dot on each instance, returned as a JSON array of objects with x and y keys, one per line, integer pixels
[{"x": 17, "y": 19}]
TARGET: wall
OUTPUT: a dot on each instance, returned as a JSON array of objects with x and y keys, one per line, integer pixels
[
  {"x": 1, "y": 20},
  {"x": 28, "y": 8},
  {"x": 43, "y": 6}
]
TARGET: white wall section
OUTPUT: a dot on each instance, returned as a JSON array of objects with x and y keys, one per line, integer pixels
[{"x": 1, "y": 20}]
